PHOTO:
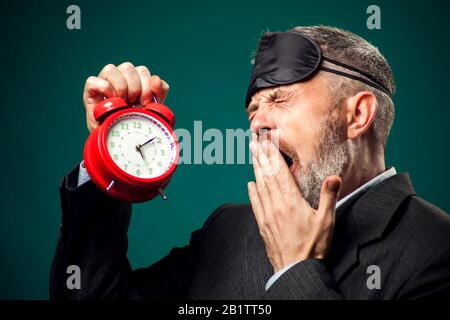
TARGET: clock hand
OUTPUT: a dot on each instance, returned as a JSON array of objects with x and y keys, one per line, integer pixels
[
  {"x": 146, "y": 142},
  {"x": 138, "y": 149}
]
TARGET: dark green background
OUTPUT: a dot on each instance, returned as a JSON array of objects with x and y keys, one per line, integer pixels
[{"x": 202, "y": 49}]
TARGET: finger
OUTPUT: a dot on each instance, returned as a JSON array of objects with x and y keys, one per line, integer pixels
[
  {"x": 133, "y": 80},
  {"x": 255, "y": 148},
  {"x": 287, "y": 189},
  {"x": 261, "y": 186},
  {"x": 159, "y": 88},
  {"x": 329, "y": 194},
  {"x": 256, "y": 203},
  {"x": 95, "y": 89},
  {"x": 275, "y": 159},
  {"x": 146, "y": 92},
  {"x": 263, "y": 191},
  {"x": 264, "y": 181},
  {"x": 259, "y": 177},
  {"x": 283, "y": 177},
  {"x": 111, "y": 74},
  {"x": 268, "y": 171}
]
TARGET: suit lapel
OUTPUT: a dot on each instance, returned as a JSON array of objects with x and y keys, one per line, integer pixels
[
  {"x": 343, "y": 252},
  {"x": 364, "y": 222},
  {"x": 375, "y": 209}
]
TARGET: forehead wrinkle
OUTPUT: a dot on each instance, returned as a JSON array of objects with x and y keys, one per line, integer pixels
[{"x": 269, "y": 93}]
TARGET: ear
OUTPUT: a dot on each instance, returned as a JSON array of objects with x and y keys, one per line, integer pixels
[{"x": 361, "y": 110}]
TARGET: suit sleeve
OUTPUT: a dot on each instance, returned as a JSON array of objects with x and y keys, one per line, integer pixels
[
  {"x": 306, "y": 280},
  {"x": 93, "y": 236}
]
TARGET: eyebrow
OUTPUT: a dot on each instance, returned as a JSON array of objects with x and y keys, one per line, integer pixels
[
  {"x": 276, "y": 91},
  {"x": 271, "y": 94}
]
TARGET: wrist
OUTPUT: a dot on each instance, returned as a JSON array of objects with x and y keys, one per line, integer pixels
[{"x": 289, "y": 261}]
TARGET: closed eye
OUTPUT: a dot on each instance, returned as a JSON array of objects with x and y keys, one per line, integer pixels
[{"x": 283, "y": 97}]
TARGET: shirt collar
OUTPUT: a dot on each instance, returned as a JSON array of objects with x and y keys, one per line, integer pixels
[{"x": 349, "y": 199}]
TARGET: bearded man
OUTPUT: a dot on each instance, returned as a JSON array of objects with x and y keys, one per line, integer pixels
[{"x": 327, "y": 220}]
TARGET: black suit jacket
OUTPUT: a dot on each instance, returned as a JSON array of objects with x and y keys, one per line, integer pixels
[{"x": 388, "y": 226}]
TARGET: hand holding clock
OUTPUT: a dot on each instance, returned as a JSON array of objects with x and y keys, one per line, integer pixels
[
  {"x": 135, "y": 84},
  {"x": 124, "y": 105}
]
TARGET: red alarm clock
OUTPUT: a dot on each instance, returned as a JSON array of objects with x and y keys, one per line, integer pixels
[{"x": 134, "y": 152}]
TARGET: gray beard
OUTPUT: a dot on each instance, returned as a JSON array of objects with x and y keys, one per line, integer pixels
[{"x": 332, "y": 157}]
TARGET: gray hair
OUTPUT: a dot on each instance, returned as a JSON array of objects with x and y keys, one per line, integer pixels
[{"x": 353, "y": 50}]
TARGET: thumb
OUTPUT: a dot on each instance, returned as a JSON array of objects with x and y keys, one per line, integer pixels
[
  {"x": 329, "y": 194},
  {"x": 159, "y": 87}
]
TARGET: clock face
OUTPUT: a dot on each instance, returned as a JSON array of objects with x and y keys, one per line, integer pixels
[{"x": 141, "y": 145}]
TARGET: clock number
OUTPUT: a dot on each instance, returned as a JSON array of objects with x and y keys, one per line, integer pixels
[
  {"x": 163, "y": 152},
  {"x": 125, "y": 166},
  {"x": 158, "y": 140},
  {"x": 150, "y": 170},
  {"x": 138, "y": 172},
  {"x": 124, "y": 126},
  {"x": 116, "y": 157},
  {"x": 159, "y": 164},
  {"x": 149, "y": 130},
  {"x": 115, "y": 133},
  {"x": 112, "y": 144},
  {"x": 137, "y": 125}
]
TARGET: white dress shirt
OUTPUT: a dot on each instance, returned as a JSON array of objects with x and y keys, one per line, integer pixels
[{"x": 83, "y": 175}]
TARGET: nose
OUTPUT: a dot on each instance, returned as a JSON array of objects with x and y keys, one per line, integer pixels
[{"x": 262, "y": 120}]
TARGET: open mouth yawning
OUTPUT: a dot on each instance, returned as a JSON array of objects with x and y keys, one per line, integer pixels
[{"x": 287, "y": 158}]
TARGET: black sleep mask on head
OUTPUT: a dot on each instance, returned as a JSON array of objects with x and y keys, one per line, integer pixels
[{"x": 289, "y": 57}]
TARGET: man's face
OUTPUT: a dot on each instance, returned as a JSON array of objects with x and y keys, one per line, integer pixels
[{"x": 312, "y": 139}]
